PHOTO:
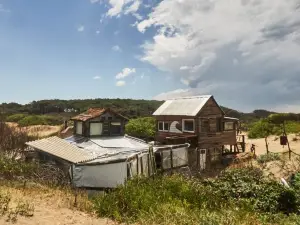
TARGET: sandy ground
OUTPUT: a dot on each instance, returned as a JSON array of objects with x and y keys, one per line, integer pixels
[
  {"x": 51, "y": 207},
  {"x": 274, "y": 144}
]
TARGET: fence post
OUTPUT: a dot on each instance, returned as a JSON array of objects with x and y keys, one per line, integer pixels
[{"x": 288, "y": 143}]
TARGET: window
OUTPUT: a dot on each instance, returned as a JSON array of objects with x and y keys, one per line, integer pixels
[
  {"x": 163, "y": 126},
  {"x": 95, "y": 129},
  {"x": 109, "y": 118},
  {"x": 188, "y": 125},
  {"x": 115, "y": 128},
  {"x": 229, "y": 126},
  {"x": 78, "y": 127}
]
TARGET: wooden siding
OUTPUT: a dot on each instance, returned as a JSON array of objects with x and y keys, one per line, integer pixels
[
  {"x": 211, "y": 136},
  {"x": 211, "y": 109}
]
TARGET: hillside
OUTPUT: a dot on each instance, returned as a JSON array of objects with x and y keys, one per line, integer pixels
[{"x": 128, "y": 107}]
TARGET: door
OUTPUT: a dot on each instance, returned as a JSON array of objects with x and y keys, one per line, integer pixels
[
  {"x": 78, "y": 127},
  {"x": 202, "y": 158},
  {"x": 96, "y": 129}
]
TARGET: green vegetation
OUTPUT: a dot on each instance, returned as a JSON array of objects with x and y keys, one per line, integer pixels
[
  {"x": 141, "y": 127},
  {"x": 29, "y": 120},
  {"x": 268, "y": 157},
  {"x": 238, "y": 196}
]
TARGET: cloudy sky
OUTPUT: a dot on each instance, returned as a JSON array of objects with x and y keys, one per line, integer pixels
[{"x": 244, "y": 52}]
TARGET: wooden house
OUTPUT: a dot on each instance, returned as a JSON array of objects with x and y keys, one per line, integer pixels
[
  {"x": 99, "y": 122},
  {"x": 200, "y": 121}
]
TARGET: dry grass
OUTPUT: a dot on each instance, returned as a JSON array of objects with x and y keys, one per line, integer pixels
[
  {"x": 38, "y": 130},
  {"x": 51, "y": 205}
]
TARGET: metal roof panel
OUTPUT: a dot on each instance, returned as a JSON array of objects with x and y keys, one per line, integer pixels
[{"x": 186, "y": 106}]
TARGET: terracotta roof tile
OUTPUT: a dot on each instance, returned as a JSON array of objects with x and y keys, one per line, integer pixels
[{"x": 89, "y": 114}]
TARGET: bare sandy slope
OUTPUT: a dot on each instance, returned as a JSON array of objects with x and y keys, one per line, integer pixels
[
  {"x": 274, "y": 145},
  {"x": 52, "y": 207}
]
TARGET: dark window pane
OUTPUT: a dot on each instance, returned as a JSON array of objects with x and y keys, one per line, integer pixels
[
  {"x": 115, "y": 128},
  {"x": 189, "y": 125},
  {"x": 166, "y": 126},
  {"x": 160, "y": 126}
]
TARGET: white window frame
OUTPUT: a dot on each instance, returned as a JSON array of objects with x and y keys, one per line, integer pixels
[
  {"x": 188, "y": 131},
  {"x": 163, "y": 123}
]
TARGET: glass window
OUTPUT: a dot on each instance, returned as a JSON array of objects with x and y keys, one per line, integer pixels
[
  {"x": 228, "y": 126},
  {"x": 166, "y": 126},
  {"x": 188, "y": 125},
  {"x": 160, "y": 126},
  {"x": 115, "y": 128}
]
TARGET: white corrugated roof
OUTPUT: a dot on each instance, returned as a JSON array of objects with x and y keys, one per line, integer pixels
[
  {"x": 62, "y": 149},
  {"x": 186, "y": 106}
]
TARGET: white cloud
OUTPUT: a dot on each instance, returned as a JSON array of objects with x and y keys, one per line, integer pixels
[
  {"x": 116, "y": 48},
  {"x": 246, "y": 50},
  {"x": 97, "y": 31},
  {"x": 120, "y": 83},
  {"x": 96, "y": 77},
  {"x": 80, "y": 28},
  {"x": 94, "y": 1},
  {"x": 119, "y": 7},
  {"x": 125, "y": 73}
]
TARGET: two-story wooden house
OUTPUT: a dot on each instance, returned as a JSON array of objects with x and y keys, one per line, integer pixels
[
  {"x": 99, "y": 122},
  {"x": 200, "y": 121}
]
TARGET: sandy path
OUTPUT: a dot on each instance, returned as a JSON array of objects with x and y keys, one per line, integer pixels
[
  {"x": 51, "y": 207},
  {"x": 274, "y": 145}
]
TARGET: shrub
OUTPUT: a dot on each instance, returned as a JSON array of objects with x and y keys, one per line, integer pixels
[
  {"x": 237, "y": 196},
  {"x": 268, "y": 158},
  {"x": 141, "y": 127},
  {"x": 15, "y": 118}
]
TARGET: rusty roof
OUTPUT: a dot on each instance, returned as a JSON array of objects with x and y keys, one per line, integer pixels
[{"x": 94, "y": 112}]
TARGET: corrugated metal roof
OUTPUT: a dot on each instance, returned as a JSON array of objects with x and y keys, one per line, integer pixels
[
  {"x": 107, "y": 149},
  {"x": 62, "y": 149},
  {"x": 186, "y": 106}
]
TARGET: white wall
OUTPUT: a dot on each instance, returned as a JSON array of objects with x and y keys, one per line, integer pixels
[
  {"x": 78, "y": 127},
  {"x": 100, "y": 176},
  {"x": 96, "y": 128}
]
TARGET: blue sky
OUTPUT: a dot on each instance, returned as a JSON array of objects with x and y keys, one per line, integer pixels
[
  {"x": 55, "y": 49},
  {"x": 244, "y": 52}
]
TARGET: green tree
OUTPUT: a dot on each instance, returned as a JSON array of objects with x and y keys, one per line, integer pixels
[
  {"x": 143, "y": 127},
  {"x": 263, "y": 129}
]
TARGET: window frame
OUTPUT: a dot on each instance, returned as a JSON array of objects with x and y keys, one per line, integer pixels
[
  {"x": 183, "y": 125},
  {"x": 163, "y": 126},
  {"x": 233, "y": 126}
]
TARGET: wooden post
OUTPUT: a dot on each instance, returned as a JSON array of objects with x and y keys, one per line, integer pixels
[
  {"x": 198, "y": 158},
  {"x": 288, "y": 143},
  {"x": 171, "y": 156}
]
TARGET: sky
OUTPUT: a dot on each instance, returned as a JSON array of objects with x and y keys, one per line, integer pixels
[{"x": 246, "y": 53}]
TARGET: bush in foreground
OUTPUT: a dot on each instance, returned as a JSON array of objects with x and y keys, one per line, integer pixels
[{"x": 238, "y": 196}]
